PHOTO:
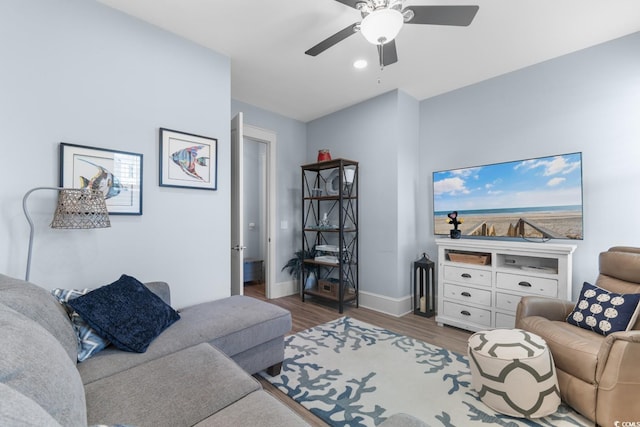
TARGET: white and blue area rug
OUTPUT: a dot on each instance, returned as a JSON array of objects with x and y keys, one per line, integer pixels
[{"x": 350, "y": 373}]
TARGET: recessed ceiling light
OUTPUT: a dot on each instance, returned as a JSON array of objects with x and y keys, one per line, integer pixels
[{"x": 360, "y": 64}]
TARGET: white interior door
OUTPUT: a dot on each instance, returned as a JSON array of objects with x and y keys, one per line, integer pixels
[{"x": 237, "y": 214}]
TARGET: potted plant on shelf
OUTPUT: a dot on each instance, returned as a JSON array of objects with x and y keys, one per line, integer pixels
[{"x": 295, "y": 265}]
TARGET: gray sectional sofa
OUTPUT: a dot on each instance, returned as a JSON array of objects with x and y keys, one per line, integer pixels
[{"x": 196, "y": 372}]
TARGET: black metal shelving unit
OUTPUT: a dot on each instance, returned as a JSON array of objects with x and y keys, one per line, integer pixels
[{"x": 330, "y": 231}]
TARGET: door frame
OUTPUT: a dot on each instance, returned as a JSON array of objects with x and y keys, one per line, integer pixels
[
  {"x": 236, "y": 264},
  {"x": 268, "y": 138}
]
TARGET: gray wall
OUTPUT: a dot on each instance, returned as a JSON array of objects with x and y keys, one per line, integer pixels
[
  {"x": 78, "y": 72},
  {"x": 407, "y": 142},
  {"x": 588, "y": 101},
  {"x": 381, "y": 134}
]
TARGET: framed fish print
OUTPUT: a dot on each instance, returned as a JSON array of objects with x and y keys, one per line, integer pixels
[
  {"x": 188, "y": 161},
  {"x": 118, "y": 174}
]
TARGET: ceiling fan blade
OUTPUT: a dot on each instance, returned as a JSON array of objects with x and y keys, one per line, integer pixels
[
  {"x": 443, "y": 15},
  {"x": 350, "y": 3},
  {"x": 388, "y": 53},
  {"x": 328, "y": 42}
]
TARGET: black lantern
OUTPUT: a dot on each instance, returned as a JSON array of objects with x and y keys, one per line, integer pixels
[{"x": 424, "y": 287}]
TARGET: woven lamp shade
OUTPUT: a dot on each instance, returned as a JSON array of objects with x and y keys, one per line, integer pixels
[{"x": 81, "y": 208}]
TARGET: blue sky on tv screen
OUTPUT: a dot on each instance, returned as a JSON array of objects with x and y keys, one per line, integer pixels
[{"x": 542, "y": 182}]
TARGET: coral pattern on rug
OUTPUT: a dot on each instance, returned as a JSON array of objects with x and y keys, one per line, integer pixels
[{"x": 350, "y": 373}]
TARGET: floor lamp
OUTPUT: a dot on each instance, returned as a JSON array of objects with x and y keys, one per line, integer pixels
[{"x": 77, "y": 209}]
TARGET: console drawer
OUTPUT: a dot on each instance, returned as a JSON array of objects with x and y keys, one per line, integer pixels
[
  {"x": 529, "y": 284},
  {"x": 467, "y": 314},
  {"x": 467, "y": 275},
  {"x": 465, "y": 293},
  {"x": 505, "y": 321},
  {"x": 507, "y": 301}
]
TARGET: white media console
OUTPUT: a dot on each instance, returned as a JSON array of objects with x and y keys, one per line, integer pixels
[{"x": 480, "y": 282}]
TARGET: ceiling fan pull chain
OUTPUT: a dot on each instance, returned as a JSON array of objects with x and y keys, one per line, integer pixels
[{"x": 381, "y": 56}]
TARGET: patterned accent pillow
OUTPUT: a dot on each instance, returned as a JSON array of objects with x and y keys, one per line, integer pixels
[
  {"x": 126, "y": 312},
  {"x": 89, "y": 341},
  {"x": 604, "y": 312}
]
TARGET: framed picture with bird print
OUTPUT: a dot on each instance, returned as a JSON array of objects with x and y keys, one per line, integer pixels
[
  {"x": 187, "y": 160},
  {"x": 117, "y": 174}
]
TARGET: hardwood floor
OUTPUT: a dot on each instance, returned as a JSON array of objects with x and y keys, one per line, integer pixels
[{"x": 313, "y": 312}]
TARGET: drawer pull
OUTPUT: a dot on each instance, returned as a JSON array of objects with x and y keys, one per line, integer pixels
[
  {"x": 465, "y": 312},
  {"x": 465, "y": 294},
  {"x": 466, "y": 275},
  {"x": 525, "y": 284}
]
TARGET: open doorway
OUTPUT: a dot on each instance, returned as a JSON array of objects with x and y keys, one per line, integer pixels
[
  {"x": 255, "y": 213},
  {"x": 259, "y": 225}
]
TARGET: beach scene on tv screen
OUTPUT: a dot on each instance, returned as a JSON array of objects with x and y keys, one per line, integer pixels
[{"x": 533, "y": 198}]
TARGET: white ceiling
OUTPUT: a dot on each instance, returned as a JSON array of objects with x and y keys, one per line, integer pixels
[{"x": 266, "y": 41}]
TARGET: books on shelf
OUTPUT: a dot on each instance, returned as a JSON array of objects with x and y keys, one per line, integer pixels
[
  {"x": 327, "y": 248},
  {"x": 327, "y": 258}
]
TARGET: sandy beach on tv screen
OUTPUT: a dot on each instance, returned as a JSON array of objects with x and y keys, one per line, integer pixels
[{"x": 567, "y": 224}]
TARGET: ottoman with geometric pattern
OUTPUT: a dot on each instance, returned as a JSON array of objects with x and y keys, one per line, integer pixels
[{"x": 513, "y": 372}]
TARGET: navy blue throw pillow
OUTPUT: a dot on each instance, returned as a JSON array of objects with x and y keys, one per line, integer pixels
[
  {"x": 125, "y": 312},
  {"x": 604, "y": 312}
]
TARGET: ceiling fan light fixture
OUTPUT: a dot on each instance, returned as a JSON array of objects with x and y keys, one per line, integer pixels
[{"x": 381, "y": 26}]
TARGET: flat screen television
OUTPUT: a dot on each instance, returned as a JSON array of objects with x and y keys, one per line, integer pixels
[{"x": 539, "y": 198}]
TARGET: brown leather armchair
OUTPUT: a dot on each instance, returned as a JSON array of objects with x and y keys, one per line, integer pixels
[{"x": 598, "y": 376}]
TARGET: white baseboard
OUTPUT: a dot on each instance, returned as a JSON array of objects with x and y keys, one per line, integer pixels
[
  {"x": 396, "y": 307},
  {"x": 392, "y": 306},
  {"x": 283, "y": 289}
]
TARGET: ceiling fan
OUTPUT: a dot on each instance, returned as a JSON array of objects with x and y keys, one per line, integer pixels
[{"x": 383, "y": 19}]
